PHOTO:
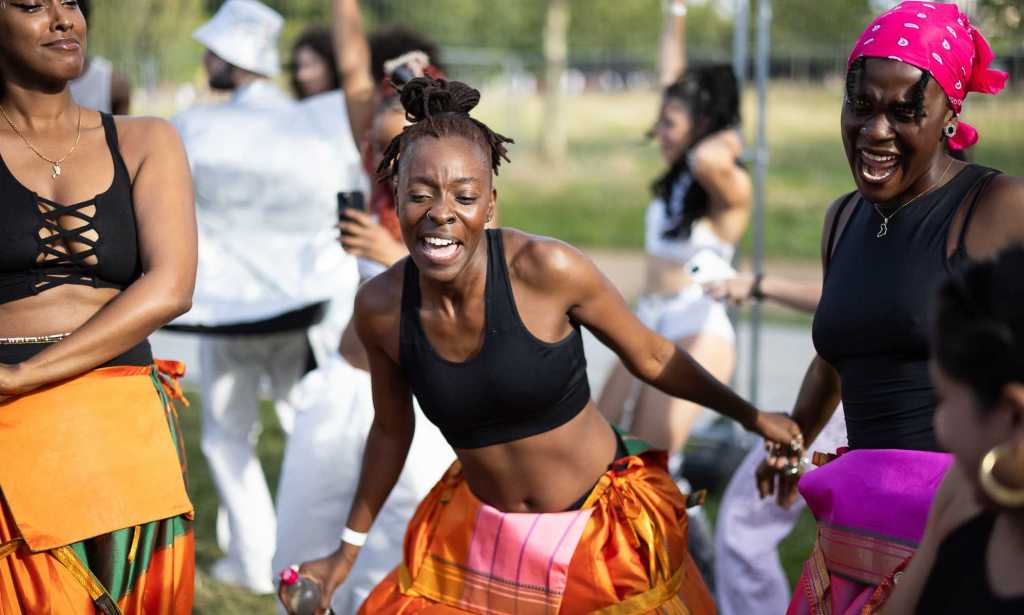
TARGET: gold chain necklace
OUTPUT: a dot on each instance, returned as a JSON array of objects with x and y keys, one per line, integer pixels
[
  {"x": 883, "y": 229},
  {"x": 55, "y": 164}
]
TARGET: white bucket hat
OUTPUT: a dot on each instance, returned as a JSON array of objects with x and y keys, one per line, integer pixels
[{"x": 244, "y": 33}]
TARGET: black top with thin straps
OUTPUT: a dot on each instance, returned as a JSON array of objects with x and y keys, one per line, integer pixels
[
  {"x": 516, "y": 386},
  {"x": 44, "y": 244},
  {"x": 958, "y": 582},
  {"x": 872, "y": 321}
]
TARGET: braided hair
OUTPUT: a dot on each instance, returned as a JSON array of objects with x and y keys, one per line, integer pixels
[
  {"x": 437, "y": 108},
  {"x": 978, "y": 326},
  {"x": 917, "y": 93},
  {"x": 712, "y": 95}
]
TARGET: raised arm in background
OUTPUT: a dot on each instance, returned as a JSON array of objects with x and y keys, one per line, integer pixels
[
  {"x": 354, "y": 66},
  {"x": 672, "y": 49}
]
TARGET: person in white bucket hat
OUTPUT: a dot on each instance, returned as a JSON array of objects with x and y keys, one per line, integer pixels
[
  {"x": 244, "y": 33},
  {"x": 266, "y": 174}
]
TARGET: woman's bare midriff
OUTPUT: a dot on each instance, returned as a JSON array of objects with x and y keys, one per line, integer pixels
[
  {"x": 59, "y": 310},
  {"x": 665, "y": 277},
  {"x": 543, "y": 473}
]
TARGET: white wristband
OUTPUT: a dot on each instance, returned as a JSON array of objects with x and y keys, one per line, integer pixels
[
  {"x": 354, "y": 538},
  {"x": 676, "y": 8}
]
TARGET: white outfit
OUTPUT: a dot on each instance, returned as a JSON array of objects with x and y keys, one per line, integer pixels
[
  {"x": 320, "y": 474},
  {"x": 748, "y": 575},
  {"x": 266, "y": 174},
  {"x": 689, "y": 311},
  {"x": 92, "y": 89}
]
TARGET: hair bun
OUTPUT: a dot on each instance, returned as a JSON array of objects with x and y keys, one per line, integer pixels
[{"x": 425, "y": 97}]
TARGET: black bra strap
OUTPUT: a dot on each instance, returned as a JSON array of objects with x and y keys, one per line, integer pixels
[
  {"x": 977, "y": 190},
  {"x": 110, "y": 131},
  {"x": 410, "y": 287},
  {"x": 835, "y": 227}
]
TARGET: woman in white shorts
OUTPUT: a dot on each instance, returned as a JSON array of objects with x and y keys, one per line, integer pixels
[{"x": 701, "y": 206}]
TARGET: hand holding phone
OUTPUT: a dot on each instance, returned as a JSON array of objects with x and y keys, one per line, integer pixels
[{"x": 350, "y": 200}]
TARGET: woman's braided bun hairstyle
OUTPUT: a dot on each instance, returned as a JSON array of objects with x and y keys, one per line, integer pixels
[{"x": 437, "y": 108}]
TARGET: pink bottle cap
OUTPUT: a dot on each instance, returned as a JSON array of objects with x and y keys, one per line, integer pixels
[{"x": 290, "y": 575}]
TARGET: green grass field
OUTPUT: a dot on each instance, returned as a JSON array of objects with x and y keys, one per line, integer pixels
[{"x": 597, "y": 199}]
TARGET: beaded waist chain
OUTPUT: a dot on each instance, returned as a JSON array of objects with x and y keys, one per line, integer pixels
[{"x": 35, "y": 339}]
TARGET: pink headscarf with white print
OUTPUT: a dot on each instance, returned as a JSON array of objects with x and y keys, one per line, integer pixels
[{"x": 939, "y": 39}]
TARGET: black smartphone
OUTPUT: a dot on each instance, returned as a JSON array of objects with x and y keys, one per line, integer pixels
[{"x": 350, "y": 200}]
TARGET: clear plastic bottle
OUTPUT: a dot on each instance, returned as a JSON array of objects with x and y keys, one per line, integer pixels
[{"x": 301, "y": 594}]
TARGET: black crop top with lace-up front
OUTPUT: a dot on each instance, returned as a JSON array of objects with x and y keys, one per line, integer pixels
[{"x": 45, "y": 244}]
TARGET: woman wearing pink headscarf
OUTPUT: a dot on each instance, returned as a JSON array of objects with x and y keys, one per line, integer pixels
[{"x": 917, "y": 215}]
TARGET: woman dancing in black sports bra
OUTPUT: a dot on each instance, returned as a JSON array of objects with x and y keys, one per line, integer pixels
[
  {"x": 483, "y": 327},
  {"x": 97, "y": 250}
]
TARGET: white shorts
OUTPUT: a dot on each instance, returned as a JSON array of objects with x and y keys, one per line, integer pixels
[{"x": 685, "y": 314}]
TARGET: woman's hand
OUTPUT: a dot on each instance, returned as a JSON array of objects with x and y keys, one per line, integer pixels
[
  {"x": 778, "y": 475},
  {"x": 362, "y": 236},
  {"x": 780, "y": 429},
  {"x": 785, "y": 445},
  {"x": 330, "y": 572},
  {"x": 736, "y": 291}
]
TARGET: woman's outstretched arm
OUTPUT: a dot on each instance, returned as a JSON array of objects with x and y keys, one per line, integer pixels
[
  {"x": 591, "y": 299},
  {"x": 391, "y": 433}
]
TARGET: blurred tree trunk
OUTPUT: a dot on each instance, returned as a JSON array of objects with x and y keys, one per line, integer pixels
[{"x": 556, "y": 51}]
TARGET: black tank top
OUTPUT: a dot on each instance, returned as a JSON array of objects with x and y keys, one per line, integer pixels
[
  {"x": 516, "y": 386},
  {"x": 958, "y": 583},
  {"x": 37, "y": 253},
  {"x": 872, "y": 321}
]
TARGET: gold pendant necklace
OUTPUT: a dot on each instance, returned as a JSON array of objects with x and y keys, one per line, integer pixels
[
  {"x": 883, "y": 229},
  {"x": 54, "y": 164}
]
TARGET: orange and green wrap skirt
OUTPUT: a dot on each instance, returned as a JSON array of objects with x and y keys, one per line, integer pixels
[
  {"x": 623, "y": 552},
  {"x": 94, "y": 512}
]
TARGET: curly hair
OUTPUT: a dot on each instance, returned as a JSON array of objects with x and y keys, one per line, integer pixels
[{"x": 437, "y": 108}]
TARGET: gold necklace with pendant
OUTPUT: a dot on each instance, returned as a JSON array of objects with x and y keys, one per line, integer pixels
[
  {"x": 54, "y": 164},
  {"x": 883, "y": 229}
]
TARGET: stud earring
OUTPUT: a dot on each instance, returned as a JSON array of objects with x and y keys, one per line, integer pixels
[{"x": 949, "y": 130}]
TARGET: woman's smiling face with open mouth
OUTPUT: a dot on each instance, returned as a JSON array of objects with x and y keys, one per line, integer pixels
[
  {"x": 446, "y": 197},
  {"x": 890, "y": 143}
]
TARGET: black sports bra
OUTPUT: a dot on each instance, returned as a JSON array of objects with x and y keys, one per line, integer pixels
[
  {"x": 45, "y": 244},
  {"x": 516, "y": 386}
]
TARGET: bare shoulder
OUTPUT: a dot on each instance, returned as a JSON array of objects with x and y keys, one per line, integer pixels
[
  {"x": 144, "y": 138},
  {"x": 954, "y": 502},
  {"x": 145, "y": 131},
  {"x": 999, "y": 217},
  {"x": 542, "y": 261},
  {"x": 379, "y": 300}
]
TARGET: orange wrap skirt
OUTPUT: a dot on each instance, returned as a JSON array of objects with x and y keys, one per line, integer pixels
[
  {"x": 94, "y": 511},
  {"x": 624, "y": 552}
]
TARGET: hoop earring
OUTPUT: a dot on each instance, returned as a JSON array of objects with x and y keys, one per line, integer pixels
[
  {"x": 949, "y": 130},
  {"x": 998, "y": 493}
]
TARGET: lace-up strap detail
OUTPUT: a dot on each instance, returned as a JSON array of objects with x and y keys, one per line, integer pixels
[{"x": 67, "y": 240}]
